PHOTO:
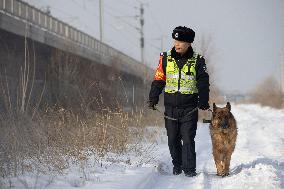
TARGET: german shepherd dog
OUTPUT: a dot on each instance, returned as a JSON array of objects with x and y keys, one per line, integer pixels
[{"x": 223, "y": 131}]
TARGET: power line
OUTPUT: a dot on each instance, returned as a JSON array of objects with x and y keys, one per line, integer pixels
[
  {"x": 140, "y": 30},
  {"x": 156, "y": 24},
  {"x": 154, "y": 46},
  {"x": 116, "y": 10},
  {"x": 63, "y": 12},
  {"x": 126, "y": 37},
  {"x": 113, "y": 27},
  {"x": 126, "y": 2},
  {"x": 79, "y": 4},
  {"x": 88, "y": 12},
  {"x": 122, "y": 20},
  {"x": 123, "y": 34}
]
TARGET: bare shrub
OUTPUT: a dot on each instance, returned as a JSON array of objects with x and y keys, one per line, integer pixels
[
  {"x": 48, "y": 142},
  {"x": 40, "y": 138},
  {"x": 206, "y": 47},
  {"x": 268, "y": 93}
]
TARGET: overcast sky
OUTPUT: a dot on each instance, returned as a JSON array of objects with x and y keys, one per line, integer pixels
[{"x": 247, "y": 36}]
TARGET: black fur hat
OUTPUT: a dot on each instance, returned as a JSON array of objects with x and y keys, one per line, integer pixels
[{"x": 182, "y": 33}]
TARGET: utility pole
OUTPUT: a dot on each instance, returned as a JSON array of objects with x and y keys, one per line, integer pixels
[
  {"x": 142, "y": 41},
  {"x": 282, "y": 78},
  {"x": 101, "y": 19},
  {"x": 162, "y": 42},
  {"x": 281, "y": 71}
]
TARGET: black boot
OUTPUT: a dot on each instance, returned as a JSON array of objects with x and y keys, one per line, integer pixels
[
  {"x": 177, "y": 170},
  {"x": 190, "y": 174}
]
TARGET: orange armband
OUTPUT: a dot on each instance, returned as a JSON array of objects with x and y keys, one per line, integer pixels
[{"x": 160, "y": 75}]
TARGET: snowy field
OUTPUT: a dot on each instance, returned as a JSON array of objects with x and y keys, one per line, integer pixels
[{"x": 258, "y": 161}]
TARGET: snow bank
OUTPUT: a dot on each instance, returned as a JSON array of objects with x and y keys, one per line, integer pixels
[{"x": 258, "y": 161}]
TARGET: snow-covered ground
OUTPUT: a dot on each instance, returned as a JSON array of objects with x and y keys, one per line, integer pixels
[{"x": 258, "y": 161}]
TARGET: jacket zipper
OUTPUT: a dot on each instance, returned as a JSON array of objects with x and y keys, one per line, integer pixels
[{"x": 179, "y": 75}]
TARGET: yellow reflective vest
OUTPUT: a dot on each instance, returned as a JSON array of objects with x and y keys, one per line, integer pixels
[{"x": 181, "y": 80}]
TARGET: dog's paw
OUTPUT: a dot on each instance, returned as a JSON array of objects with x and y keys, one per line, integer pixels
[{"x": 223, "y": 174}]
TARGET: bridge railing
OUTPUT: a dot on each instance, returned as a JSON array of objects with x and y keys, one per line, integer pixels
[{"x": 45, "y": 21}]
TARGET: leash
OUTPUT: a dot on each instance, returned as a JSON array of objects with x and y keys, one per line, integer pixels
[
  {"x": 207, "y": 120},
  {"x": 174, "y": 119}
]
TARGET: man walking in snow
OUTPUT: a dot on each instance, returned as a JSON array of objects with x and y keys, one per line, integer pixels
[{"x": 182, "y": 75}]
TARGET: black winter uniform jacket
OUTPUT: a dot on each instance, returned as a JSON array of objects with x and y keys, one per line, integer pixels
[{"x": 177, "y": 99}]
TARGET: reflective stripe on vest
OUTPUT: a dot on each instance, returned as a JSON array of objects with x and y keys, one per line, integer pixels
[{"x": 183, "y": 80}]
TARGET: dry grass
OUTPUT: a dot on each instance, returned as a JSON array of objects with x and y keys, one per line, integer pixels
[
  {"x": 42, "y": 139},
  {"x": 47, "y": 142}
]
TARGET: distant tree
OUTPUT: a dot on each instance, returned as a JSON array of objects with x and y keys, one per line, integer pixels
[
  {"x": 268, "y": 93},
  {"x": 206, "y": 47}
]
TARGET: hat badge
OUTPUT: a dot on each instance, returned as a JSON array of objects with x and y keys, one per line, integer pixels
[{"x": 176, "y": 35}]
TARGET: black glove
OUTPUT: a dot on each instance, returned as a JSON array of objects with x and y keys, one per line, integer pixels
[
  {"x": 151, "y": 105},
  {"x": 203, "y": 105}
]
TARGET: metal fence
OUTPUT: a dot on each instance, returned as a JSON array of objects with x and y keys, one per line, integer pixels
[{"x": 45, "y": 21}]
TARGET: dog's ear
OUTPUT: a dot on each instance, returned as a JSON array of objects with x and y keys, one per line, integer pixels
[
  {"x": 214, "y": 107},
  {"x": 228, "y": 106}
]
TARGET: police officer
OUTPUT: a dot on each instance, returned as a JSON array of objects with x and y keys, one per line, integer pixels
[{"x": 182, "y": 74}]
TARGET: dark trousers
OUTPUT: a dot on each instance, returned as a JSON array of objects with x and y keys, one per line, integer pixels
[{"x": 181, "y": 136}]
